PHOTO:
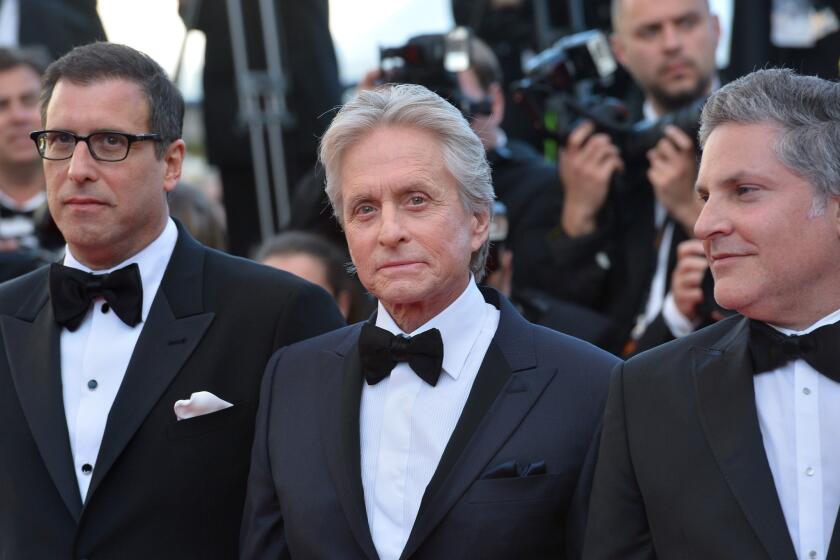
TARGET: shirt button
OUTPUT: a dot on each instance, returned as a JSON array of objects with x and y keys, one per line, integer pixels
[
  {"x": 806, "y": 391},
  {"x": 812, "y": 554},
  {"x": 810, "y": 471},
  {"x": 92, "y": 384},
  {"x": 105, "y": 307},
  {"x": 87, "y": 468}
]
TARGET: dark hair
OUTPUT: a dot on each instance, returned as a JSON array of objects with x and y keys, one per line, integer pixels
[
  {"x": 97, "y": 62},
  {"x": 296, "y": 242},
  {"x": 33, "y": 57}
]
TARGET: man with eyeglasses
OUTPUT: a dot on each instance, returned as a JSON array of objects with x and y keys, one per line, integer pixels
[{"x": 129, "y": 374}]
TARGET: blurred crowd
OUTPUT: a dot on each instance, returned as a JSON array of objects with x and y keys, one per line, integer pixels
[{"x": 587, "y": 111}]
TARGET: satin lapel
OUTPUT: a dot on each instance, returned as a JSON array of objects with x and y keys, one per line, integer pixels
[
  {"x": 35, "y": 361},
  {"x": 162, "y": 349},
  {"x": 340, "y": 429},
  {"x": 176, "y": 324},
  {"x": 492, "y": 376},
  {"x": 834, "y": 547},
  {"x": 726, "y": 400},
  {"x": 506, "y": 387}
]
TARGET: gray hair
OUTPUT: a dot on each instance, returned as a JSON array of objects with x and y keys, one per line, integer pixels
[
  {"x": 806, "y": 111},
  {"x": 413, "y": 106}
]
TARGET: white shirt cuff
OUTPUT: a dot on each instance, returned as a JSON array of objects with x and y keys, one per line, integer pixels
[{"x": 679, "y": 324}]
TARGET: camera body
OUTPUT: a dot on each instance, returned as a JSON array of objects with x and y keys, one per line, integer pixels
[
  {"x": 557, "y": 93},
  {"x": 434, "y": 61}
]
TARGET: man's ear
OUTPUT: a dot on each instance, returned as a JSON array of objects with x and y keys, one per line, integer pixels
[
  {"x": 174, "y": 160},
  {"x": 617, "y": 48},
  {"x": 834, "y": 208},
  {"x": 716, "y": 28},
  {"x": 497, "y": 103},
  {"x": 480, "y": 223}
]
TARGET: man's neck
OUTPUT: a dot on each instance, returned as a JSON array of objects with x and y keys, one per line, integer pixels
[
  {"x": 411, "y": 316},
  {"x": 21, "y": 183}
]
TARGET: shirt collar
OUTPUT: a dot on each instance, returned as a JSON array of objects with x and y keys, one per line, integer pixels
[
  {"x": 152, "y": 261},
  {"x": 829, "y": 319},
  {"x": 37, "y": 200},
  {"x": 459, "y": 326}
]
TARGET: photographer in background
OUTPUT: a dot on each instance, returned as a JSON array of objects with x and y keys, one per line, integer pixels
[{"x": 615, "y": 246}]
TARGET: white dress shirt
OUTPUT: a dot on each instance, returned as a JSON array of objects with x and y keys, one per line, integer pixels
[
  {"x": 95, "y": 356},
  {"x": 405, "y": 423},
  {"x": 799, "y": 416}
]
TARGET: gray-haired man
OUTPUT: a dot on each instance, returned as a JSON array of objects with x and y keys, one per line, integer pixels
[
  {"x": 449, "y": 427},
  {"x": 723, "y": 444}
]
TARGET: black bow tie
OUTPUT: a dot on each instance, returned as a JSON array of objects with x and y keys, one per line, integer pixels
[
  {"x": 771, "y": 349},
  {"x": 380, "y": 351},
  {"x": 6, "y": 212},
  {"x": 73, "y": 290}
]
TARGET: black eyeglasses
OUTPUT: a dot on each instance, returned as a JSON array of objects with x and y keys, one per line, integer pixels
[{"x": 103, "y": 146}]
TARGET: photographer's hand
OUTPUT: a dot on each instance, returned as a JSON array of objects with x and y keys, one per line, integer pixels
[
  {"x": 9, "y": 245},
  {"x": 672, "y": 172},
  {"x": 586, "y": 165},
  {"x": 687, "y": 278}
]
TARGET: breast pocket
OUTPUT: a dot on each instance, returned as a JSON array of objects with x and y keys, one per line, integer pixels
[
  {"x": 545, "y": 487},
  {"x": 230, "y": 418},
  {"x": 520, "y": 517}
]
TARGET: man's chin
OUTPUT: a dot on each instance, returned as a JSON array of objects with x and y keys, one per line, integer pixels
[{"x": 680, "y": 95}]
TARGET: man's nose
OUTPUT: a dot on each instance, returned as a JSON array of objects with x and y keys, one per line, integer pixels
[
  {"x": 391, "y": 229},
  {"x": 82, "y": 164},
  {"x": 712, "y": 220},
  {"x": 671, "y": 37}
]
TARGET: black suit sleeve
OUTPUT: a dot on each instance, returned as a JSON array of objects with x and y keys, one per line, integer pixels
[
  {"x": 262, "y": 534},
  {"x": 573, "y": 272},
  {"x": 579, "y": 508},
  {"x": 308, "y": 311},
  {"x": 618, "y": 526}
]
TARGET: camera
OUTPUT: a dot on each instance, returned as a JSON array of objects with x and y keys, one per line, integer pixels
[
  {"x": 557, "y": 93},
  {"x": 434, "y": 61}
]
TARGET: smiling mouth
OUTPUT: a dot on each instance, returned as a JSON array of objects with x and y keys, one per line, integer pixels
[{"x": 723, "y": 258}]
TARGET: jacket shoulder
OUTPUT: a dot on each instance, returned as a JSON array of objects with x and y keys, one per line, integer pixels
[
  {"x": 14, "y": 293},
  {"x": 676, "y": 355}
]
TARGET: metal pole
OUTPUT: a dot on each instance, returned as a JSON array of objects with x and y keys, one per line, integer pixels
[
  {"x": 275, "y": 100},
  {"x": 248, "y": 89}
]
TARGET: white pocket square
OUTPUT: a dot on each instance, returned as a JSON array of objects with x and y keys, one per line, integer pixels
[{"x": 199, "y": 404}]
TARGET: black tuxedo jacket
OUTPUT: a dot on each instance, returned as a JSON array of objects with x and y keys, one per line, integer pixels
[
  {"x": 538, "y": 396},
  {"x": 160, "y": 488},
  {"x": 682, "y": 471}
]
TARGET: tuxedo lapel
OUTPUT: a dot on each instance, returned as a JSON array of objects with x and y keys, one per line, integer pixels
[
  {"x": 726, "y": 399},
  {"x": 506, "y": 387},
  {"x": 32, "y": 345},
  {"x": 834, "y": 547},
  {"x": 340, "y": 429},
  {"x": 175, "y": 326}
]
